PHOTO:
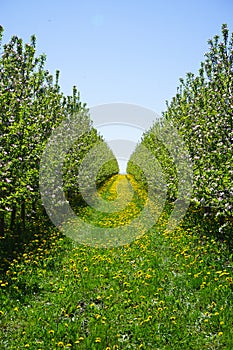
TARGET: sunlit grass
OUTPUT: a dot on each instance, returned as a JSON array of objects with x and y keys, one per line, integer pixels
[
  {"x": 166, "y": 290},
  {"x": 117, "y": 191}
]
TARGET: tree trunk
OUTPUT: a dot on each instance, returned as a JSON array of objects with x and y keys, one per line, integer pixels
[
  {"x": 2, "y": 224},
  {"x": 13, "y": 216},
  {"x": 22, "y": 215}
]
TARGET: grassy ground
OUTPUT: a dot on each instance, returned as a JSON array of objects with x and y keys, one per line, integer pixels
[{"x": 165, "y": 290}]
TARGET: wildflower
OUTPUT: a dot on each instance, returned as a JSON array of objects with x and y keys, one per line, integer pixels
[
  {"x": 98, "y": 340},
  {"x": 4, "y": 284},
  {"x": 220, "y": 334},
  {"x": 60, "y": 343}
]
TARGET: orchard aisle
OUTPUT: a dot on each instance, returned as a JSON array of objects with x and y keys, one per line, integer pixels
[
  {"x": 162, "y": 291},
  {"x": 120, "y": 209}
]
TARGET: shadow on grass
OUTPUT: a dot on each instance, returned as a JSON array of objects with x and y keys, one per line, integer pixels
[
  {"x": 15, "y": 242},
  {"x": 29, "y": 245},
  {"x": 205, "y": 221}
]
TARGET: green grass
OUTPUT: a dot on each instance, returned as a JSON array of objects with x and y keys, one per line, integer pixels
[{"x": 166, "y": 290}]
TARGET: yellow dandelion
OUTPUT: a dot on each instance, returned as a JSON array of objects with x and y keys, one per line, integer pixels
[{"x": 60, "y": 343}]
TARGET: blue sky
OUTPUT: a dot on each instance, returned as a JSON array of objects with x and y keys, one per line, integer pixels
[{"x": 119, "y": 51}]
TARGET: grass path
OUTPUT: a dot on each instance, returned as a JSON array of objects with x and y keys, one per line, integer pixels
[{"x": 163, "y": 291}]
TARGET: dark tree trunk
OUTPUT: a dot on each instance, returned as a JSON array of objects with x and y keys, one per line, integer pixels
[
  {"x": 13, "y": 216},
  {"x": 2, "y": 224},
  {"x": 22, "y": 215}
]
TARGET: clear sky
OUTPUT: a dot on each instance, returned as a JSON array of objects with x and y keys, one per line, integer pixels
[{"x": 119, "y": 50}]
